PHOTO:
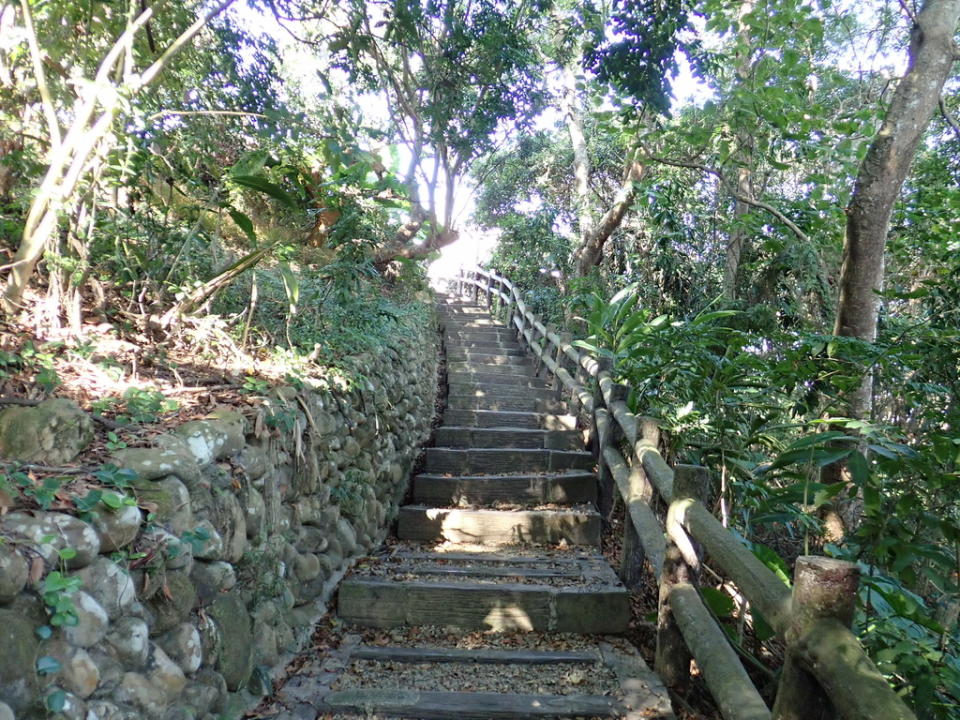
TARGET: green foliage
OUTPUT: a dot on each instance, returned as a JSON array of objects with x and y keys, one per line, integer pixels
[
  {"x": 112, "y": 476},
  {"x": 136, "y": 405},
  {"x": 756, "y": 406},
  {"x": 196, "y": 538},
  {"x": 58, "y": 590},
  {"x": 348, "y": 494},
  {"x": 25, "y": 487}
]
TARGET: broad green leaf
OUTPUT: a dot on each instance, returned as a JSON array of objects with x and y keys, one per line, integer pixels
[
  {"x": 721, "y": 604},
  {"x": 773, "y": 561},
  {"x": 261, "y": 184},
  {"x": 244, "y": 223}
]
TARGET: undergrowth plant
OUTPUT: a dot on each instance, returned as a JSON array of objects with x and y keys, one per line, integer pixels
[{"x": 758, "y": 408}]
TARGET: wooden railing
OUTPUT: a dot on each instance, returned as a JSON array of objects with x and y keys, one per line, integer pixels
[{"x": 826, "y": 671}]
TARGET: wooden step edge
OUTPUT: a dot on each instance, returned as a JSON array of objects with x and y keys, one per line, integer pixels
[
  {"x": 480, "y": 656},
  {"x": 433, "y": 704},
  {"x": 567, "y": 593},
  {"x": 518, "y": 477},
  {"x": 531, "y": 573},
  {"x": 574, "y": 558},
  {"x": 548, "y": 512},
  {"x": 421, "y": 523}
]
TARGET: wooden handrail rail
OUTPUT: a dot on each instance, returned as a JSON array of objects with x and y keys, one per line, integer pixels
[{"x": 827, "y": 649}]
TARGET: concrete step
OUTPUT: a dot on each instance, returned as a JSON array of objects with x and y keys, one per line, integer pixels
[
  {"x": 499, "y": 527},
  {"x": 482, "y": 335},
  {"x": 581, "y": 594},
  {"x": 457, "y": 351},
  {"x": 524, "y": 489},
  {"x": 472, "y": 322},
  {"x": 481, "y": 380},
  {"x": 520, "y": 402},
  {"x": 498, "y": 389},
  {"x": 505, "y": 419},
  {"x": 476, "y": 461},
  {"x": 471, "y": 367},
  {"x": 631, "y": 690},
  {"x": 485, "y": 360},
  {"x": 452, "y": 436},
  {"x": 375, "y": 702}
]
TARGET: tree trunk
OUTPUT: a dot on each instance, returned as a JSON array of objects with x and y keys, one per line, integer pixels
[
  {"x": 735, "y": 240},
  {"x": 744, "y": 158},
  {"x": 593, "y": 233},
  {"x": 882, "y": 173},
  {"x": 590, "y": 251},
  {"x": 879, "y": 180},
  {"x": 581, "y": 159}
]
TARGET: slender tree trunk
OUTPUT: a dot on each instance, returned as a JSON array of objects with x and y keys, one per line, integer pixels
[
  {"x": 878, "y": 184},
  {"x": 881, "y": 176},
  {"x": 581, "y": 159},
  {"x": 591, "y": 248},
  {"x": 593, "y": 233},
  {"x": 737, "y": 236},
  {"x": 744, "y": 157}
]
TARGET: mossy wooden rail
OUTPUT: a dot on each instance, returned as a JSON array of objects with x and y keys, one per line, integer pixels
[{"x": 826, "y": 672}]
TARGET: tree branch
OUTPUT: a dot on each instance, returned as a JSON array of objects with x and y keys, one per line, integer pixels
[
  {"x": 733, "y": 192},
  {"x": 41, "y": 77},
  {"x": 948, "y": 117},
  {"x": 187, "y": 113}
]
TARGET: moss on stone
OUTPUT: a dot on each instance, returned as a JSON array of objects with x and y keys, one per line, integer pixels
[{"x": 236, "y": 660}]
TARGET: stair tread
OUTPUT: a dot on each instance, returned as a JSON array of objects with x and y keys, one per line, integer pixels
[
  {"x": 435, "y": 704},
  {"x": 479, "y": 656},
  {"x": 578, "y": 526},
  {"x": 505, "y": 418}
]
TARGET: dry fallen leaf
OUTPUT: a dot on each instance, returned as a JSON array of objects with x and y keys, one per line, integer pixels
[{"x": 36, "y": 569}]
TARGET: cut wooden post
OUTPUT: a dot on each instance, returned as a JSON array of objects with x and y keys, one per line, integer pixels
[
  {"x": 672, "y": 660},
  {"x": 648, "y": 431},
  {"x": 565, "y": 339},
  {"x": 608, "y": 436},
  {"x": 681, "y": 565},
  {"x": 604, "y": 365},
  {"x": 632, "y": 556},
  {"x": 540, "y": 340},
  {"x": 550, "y": 329},
  {"x": 822, "y": 588}
]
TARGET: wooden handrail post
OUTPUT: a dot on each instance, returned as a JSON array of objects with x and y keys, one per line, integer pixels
[
  {"x": 681, "y": 565},
  {"x": 460, "y": 282},
  {"x": 608, "y": 435},
  {"x": 632, "y": 554},
  {"x": 522, "y": 326},
  {"x": 487, "y": 292},
  {"x": 565, "y": 339},
  {"x": 604, "y": 364},
  {"x": 550, "y": 329},
  {"x": 822, "y": 588}
]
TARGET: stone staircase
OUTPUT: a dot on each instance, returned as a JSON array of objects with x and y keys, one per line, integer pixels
[{"x": 501, "y": 541}]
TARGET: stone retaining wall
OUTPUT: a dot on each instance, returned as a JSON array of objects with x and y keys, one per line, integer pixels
[{"x": 190, "y": 601}]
